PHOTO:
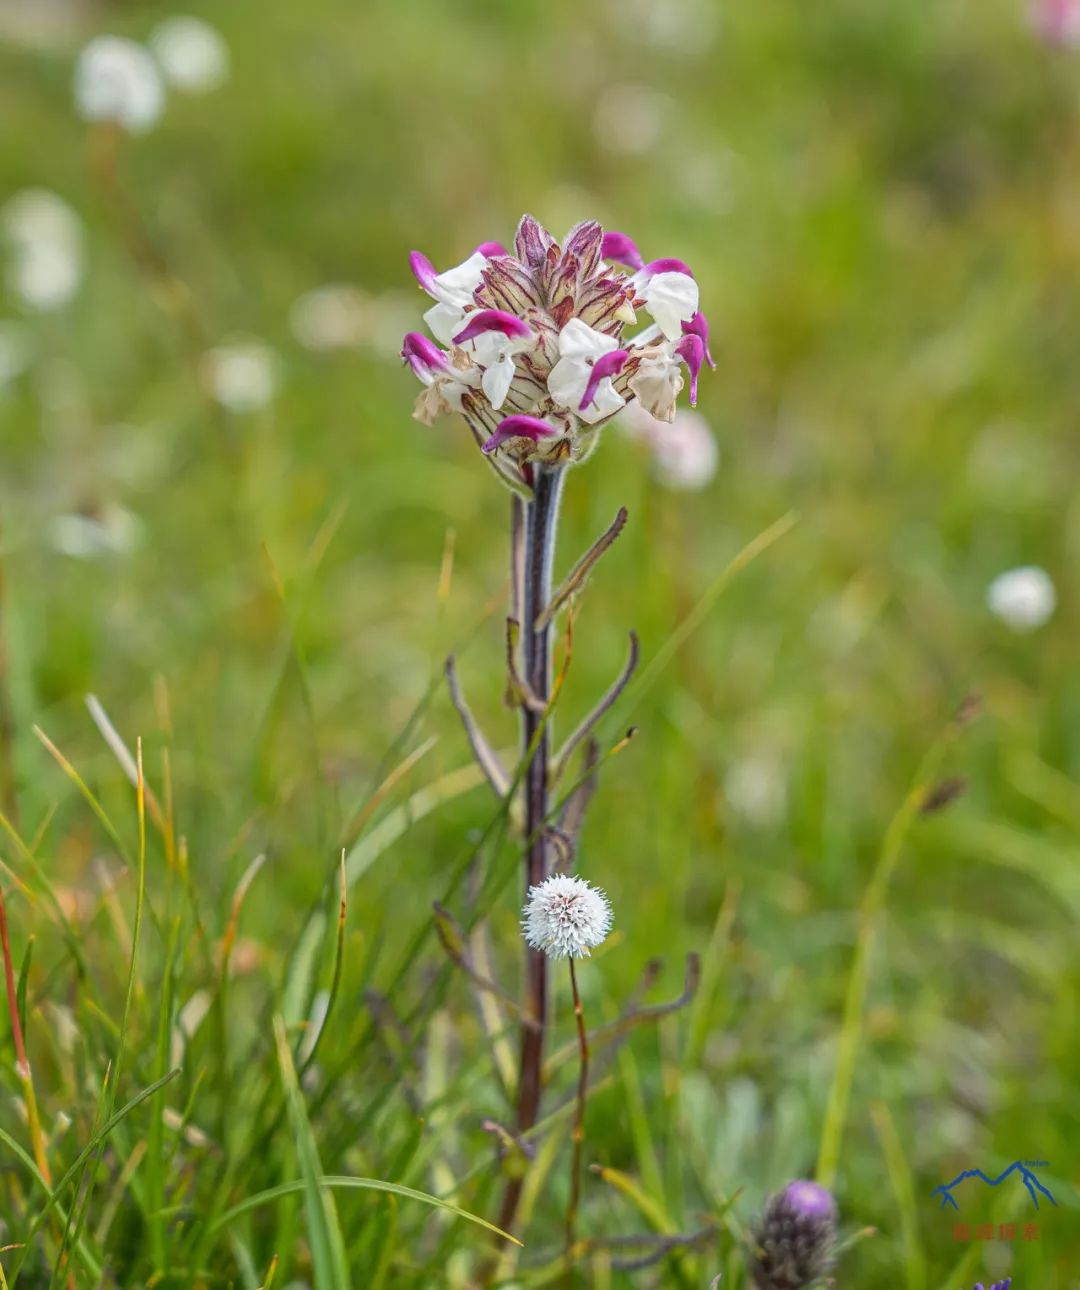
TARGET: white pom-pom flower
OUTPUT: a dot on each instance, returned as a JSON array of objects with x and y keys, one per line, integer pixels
[
  {"x": 565, "y": 917},
  {"x": 117, "y": 80},
  {"x": 192, "y": 54},
  {"x": 1022, "y": 598}
]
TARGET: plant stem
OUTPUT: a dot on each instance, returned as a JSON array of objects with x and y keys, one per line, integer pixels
[
  {"x": 541, "y": 520},
  {"x": 22, "y": 1062},
  {"x": 577, "y": 1136}
]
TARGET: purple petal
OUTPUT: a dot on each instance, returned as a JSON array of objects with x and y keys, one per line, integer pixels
[
  {"x": 492, "y": 320},
  {"x": 699, "y": 326},
  {"x": 621, "y": 249},
  {"x": 691, "y": 349},
  {"x": 421, "y": 354},
  {"x": 809, "y": 1199},
  {"x": 605, "y": 365},
  {"x": 519, "y": 426},
  {"x": 668, "y": 266},
  {"x": 491, "y": 248},
  {"x": 423, "y": 270}
]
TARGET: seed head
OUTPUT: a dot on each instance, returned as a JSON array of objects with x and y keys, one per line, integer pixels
[
  {"x": 795, "y": 1238},
  {"x": 565, "y": 917}
]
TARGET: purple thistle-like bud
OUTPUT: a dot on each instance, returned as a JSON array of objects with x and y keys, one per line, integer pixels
[
  {"x": 485, "y": 320},
  {"x": 423, "y": 271},
  {"x": 691, "y": 349},
  {"x": 519, "y": 426},
  {"x": 491, "y": 248},
  {"x": 699, "y": 326},
  {"x": 621, "y": 249},
  {"x": 605, "y": 365},
  {"x": 794, "y": 1238},
  {"x": 667, "y": 266},
  {"x": 584, "y": 242},
  {"x": 422, "y": 355}
]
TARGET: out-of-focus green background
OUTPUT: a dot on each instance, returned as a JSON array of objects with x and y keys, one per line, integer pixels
[{"x": 882, "y": 206}]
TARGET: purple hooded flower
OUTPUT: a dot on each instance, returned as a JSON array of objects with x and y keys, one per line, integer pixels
[
  {"x": 422, "y": 355},
  {"x": 519, "y": 427},
  {"x": 622, "y": 249},
  {"x": 699, "y": 326},
  {"x": 691, "y": 350}
]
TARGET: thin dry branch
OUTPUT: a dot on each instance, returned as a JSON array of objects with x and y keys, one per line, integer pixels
[
  {"x": 486, "y": 757},
  {"x": 577, "y": 577}
]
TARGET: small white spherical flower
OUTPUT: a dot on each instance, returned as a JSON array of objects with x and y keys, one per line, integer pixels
[
  {"x": 1022, "y": 598},
  {"x": 44, "y": 240},
  {"x": 192, "y": 54},
  {"x": 566, "y": 917},
  {"x": 117, "y": 80},
  {"x": 241, "y": 375}
]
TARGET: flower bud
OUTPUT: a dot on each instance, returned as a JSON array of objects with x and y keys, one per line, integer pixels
[{"x": 794, "y": 1238}]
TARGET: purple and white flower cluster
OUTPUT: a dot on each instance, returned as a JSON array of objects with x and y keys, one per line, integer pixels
[{"x": 535, "y": 357}]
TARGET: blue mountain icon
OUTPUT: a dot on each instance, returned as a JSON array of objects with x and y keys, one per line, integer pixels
[{"x": 1033, "y": 1185}]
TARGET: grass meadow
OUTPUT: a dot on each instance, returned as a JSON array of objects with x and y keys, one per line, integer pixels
[{"x": 853, "y": 793}]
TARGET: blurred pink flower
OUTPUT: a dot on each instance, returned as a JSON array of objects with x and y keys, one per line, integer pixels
[{"x": 1058, "y": 21}]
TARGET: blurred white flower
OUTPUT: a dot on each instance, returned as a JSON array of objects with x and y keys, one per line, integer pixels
[
  {"x": 629, "y": 119},
  {"x": 685, "y": 454},
  {"x": 242, "y": 375},
  {"x": 45, "y": 248},
  {"x": 334, "y": 316},
  {"x": 565, "y": 917},
  {"x": 686, "y": 27},
  {"x": 110, "y": 531},
  {"x": 1023, "y": 598},
  {"x": 14, "y": 352},
  {"x": 756, "y": 787},
  {"x": 117, "y": 80},
  {"x": 193, "y": 55},
  {"x": 1057, "y": 21}
]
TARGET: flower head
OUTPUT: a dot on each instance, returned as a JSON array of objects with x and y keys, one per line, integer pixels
[
  {"x": 117, "y": 80},
  {"x": 44, "y": 241},
  {"x": 535, "y": 339},
  {"x": 565, "y": 917},
  {"x": 794, "y": 1238},
  {"x": 192, "y": 54},
  {"x": 1023, "y": 599}
]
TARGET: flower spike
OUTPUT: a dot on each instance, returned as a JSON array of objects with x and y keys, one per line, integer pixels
[{"x": 518, "y": 427}]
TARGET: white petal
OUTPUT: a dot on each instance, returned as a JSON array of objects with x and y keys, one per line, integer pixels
[
  {"x": 456, "y": 285},
  {"x": 444, "y": 321},
  {"x": 605, "y": 403},
  {"x": 579, "y": 340},
  {"x": 497, "y": 380},
  {"x": 647, "y": 337},
  {"x": 567, "y": 381},
  {"x": 672, "y": 299}
]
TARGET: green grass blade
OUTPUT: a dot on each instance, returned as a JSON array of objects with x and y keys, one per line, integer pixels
[
  {"x": 362, "y": 1184},
  {"x": 324, "y": 1232}
]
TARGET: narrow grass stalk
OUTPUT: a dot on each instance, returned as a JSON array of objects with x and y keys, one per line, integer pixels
[
  {"x": 577, "y": 1134},
  {"x": 22, "y": 1062},
  {"x": 541, "y": 520}
]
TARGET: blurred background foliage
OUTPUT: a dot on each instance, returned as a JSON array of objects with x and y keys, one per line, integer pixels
[{"x": 882, "y": 206}]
